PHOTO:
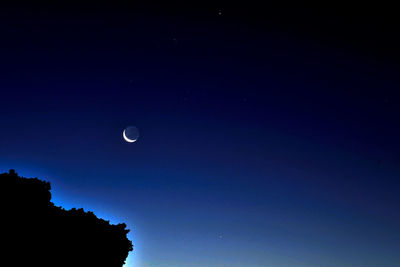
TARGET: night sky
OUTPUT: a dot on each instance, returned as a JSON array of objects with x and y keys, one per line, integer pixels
[{"x": 268, "y": 136}]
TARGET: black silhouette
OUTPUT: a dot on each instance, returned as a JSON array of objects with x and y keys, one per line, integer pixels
[{"x": 37, "y": 233}]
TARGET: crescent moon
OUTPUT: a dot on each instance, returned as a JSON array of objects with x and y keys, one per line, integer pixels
[{"x": 127, "y": 139}]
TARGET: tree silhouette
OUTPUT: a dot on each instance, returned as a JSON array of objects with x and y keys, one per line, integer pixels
[{"x": 35, "y": 232}]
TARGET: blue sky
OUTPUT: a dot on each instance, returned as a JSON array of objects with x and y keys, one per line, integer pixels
[{"x": 258, "y": 146}]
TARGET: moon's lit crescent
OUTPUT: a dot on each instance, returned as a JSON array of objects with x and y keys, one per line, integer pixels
[{"x": 127, "y": 139}]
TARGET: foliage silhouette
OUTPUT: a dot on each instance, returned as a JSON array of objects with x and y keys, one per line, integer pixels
[{"x": 35, "y": 232}]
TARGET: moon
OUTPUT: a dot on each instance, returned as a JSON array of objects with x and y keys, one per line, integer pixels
[{"x": 130, "y": 134}]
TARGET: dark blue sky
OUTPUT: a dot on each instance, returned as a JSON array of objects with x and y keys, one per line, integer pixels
[{"x": 267, "y": 139}]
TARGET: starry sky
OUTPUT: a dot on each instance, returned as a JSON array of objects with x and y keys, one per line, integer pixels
[{"x": 268, "y": 136}]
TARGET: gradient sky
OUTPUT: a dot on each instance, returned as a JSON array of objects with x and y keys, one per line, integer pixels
[{"x": 268, "y": 137}]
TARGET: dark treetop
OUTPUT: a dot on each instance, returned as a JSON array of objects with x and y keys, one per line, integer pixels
[{"x": 37, "y": 233}]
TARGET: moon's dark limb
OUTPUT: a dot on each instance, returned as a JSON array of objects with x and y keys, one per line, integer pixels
[{"x": 131, "y": 134}]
